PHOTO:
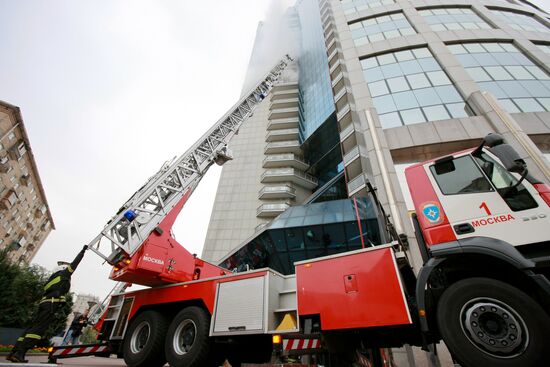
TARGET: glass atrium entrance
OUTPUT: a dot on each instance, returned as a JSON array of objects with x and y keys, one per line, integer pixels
[{"x": 309, "y": 231}]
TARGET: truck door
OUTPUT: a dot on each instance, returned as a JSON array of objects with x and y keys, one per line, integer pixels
[{"x": 477, "y": 196}]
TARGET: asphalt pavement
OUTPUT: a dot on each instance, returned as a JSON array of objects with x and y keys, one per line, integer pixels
[{"x": 80, "y": 361}]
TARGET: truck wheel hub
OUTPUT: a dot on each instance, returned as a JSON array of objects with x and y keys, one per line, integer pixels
[
  {"x": 184, "y": 337},
  {"x": 140, "y": 336},
  {"x": 494, "y": 327}
]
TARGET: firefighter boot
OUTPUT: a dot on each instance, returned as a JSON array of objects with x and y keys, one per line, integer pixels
[{"x": 17, "y": 357}]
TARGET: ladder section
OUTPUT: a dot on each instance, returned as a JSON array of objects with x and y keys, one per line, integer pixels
[
  {"x": 142, "y": 213},
  {"x": 98, "y": 310}
]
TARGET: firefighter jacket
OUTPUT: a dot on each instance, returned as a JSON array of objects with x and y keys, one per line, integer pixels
[{"x": 59, "y": 283}]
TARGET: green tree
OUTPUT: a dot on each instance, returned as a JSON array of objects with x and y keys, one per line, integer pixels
[
  {"x": 89, "y": 335},
  {"x": 21, "y": 289}
]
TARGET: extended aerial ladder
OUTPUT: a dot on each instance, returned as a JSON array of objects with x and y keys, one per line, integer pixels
[{"x": 137, "y": 241}]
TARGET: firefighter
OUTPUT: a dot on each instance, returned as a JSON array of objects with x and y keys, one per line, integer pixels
[{"x": 56, "y": 288}]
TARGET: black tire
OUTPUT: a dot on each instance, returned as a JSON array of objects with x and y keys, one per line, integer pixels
[
  {"x": 187, "y": 342},
  {"x": 144, "y": 340},
  {"x": 488, "y": 323}
]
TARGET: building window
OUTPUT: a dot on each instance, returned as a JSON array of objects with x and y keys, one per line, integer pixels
[
  {"x": 409, "y": 87},
  {"x": 380, "y": 28},
  {"x": 11, "y": 136},
  {"x": 443, "y": 19},
  {"x": 353, "y": 6},
  {"x": 500, "y": 68},
  {"x": 521, "y": 21}
]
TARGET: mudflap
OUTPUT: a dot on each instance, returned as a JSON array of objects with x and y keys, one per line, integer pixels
[{"x": 82, "y": 350}]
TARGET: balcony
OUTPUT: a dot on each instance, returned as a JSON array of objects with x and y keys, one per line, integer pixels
[
  {"x": 8, "y": 200},
  {"x": 289, "y": 123},
  {"x": 25, "y": 180},
  {"x": 271, "y": 210},
  {"x": 18, "y": 150},
  {"x": 278, "y": 147},
  {"x": 283, "y": 94},
  {"x": 289, "y": 102},
  {"x": 277, "y": 192},
  {"x": 284, "y": 113},
  {"x": 281, "y": 135},
  {"x": 5, "y": 165},
  {"x": 282, "y": 87},
  {"x": 357, "y": 184},
  {"x": 45, "y": 226},
  {"x": 347, "y": 132},
  {"x": 40, "y": 211},
  {"x": 285, "y": 160},
  {"x": 289, "y": 175},
  {"x": 352, "y": 155}
]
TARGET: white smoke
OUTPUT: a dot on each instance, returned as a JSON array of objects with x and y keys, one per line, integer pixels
[{"x": 277, "y": 36}]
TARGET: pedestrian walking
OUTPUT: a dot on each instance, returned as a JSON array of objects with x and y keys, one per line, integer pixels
[{"x": 56, "y": 288}]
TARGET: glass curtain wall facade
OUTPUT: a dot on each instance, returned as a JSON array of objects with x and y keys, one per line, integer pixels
[
  {"x": 380, "y": 28},
  {"x": 314, "y": 80},
  {"x": 452, "y": 19},
  {"x": 309, "y": 231},
  {"x": 409, "y": 87},
  {"x": 502, "y": 69}
]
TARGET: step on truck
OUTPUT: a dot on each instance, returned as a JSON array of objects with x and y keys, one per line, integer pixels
[{"x": 482, "y": 227}]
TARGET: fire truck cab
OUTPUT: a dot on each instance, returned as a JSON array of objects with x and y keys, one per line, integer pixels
[{"x": 482, "y": 225}]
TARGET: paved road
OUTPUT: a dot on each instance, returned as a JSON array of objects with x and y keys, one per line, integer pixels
[{"x": 81, "y": 361}]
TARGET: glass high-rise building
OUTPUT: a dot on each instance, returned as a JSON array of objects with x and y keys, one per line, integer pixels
[{"x": 376, "y": 85}]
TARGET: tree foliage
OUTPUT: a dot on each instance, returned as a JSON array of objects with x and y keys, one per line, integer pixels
[
  {"x": 89, "y": 335},
  {"x": 21, "y": 289}
]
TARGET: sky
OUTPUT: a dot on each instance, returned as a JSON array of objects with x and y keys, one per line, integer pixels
[{"x": 111, "y": 89}]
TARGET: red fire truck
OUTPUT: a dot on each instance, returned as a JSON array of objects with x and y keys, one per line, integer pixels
[{"x": 482, "y": 226}]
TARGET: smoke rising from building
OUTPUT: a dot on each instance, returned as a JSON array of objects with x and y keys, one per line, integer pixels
[{"x": 276, "y": 37}]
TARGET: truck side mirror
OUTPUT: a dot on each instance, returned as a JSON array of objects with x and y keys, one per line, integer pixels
[
  {"x": 504, "y": 152},
  {"x": 509, "y": 158},
  {"x": 444, "y": 165}
]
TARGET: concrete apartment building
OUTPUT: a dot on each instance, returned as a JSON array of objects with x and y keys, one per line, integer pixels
[
  {"x": 377, "y": 85},
  {"x": 25, "y": 218}
]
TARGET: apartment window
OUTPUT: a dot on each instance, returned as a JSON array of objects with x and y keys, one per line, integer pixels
[
  {"x": 380, "y": 28},
  {"x": 451, "y": 19},
  {"x": 409, "y": 87},
  {"x": 500, "y": 68},
  {"x": 521, "y": 21},
  {"x": 11, "y": 136},
  {"x": 353, "y": 6}
]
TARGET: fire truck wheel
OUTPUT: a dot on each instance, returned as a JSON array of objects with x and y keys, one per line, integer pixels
[
  {"x": 187, "y": 341},
  {"x": 488, "y": 323},
  {"x": 144, "y": 341}
]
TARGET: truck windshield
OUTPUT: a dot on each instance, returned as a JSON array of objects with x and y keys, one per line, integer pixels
[
  {"x": 518, "y": 198},
  {"x": 464, "y": 178}
]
